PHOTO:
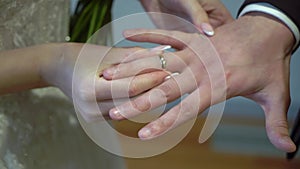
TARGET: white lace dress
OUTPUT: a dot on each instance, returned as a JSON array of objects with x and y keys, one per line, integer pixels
[{"x": 39, "y": 128}]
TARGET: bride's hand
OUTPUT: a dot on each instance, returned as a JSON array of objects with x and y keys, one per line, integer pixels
[{"x": 77, "y": 71}]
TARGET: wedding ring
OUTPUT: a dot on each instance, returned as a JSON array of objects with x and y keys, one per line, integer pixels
[{"x": 163, "y": 61}]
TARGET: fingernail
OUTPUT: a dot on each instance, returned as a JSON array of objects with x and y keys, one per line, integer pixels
[
  {"x": 128, "y": 33},
  {"x": 144, "y": 133},
  {"x": 110, "y": 72},
  {"x": 207, "y": 29},
  {"x": 115, "y": 114},
  {"x": 171, "y": 75},
  {"x": 107, "y": 74},
  {"x": 161, "y": 48}
]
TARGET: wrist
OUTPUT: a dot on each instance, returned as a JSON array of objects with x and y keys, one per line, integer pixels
[
  {"x": 281, "y": 14},
  {"x": 49, "y": 63},
  {"x": 57, "y": 69},
  {"x": 253, "y": 36},
  {"x": 272, "y": 30}
]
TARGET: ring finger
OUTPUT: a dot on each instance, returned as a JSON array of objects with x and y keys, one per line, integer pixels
[{"x": 167, "y": 61}]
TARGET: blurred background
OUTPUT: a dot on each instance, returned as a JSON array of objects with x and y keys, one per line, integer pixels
[
  {"x": 240, "y": 141},
  {"x": 39, "y": 128}
]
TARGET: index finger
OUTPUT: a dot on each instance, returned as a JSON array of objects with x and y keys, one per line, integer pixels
[{"x": 176, "y": 39}]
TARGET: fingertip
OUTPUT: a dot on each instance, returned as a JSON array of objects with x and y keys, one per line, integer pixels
[
  {"x": 115, "y": 114},
  {"x": 127, "y": 33},
  {"x": 287, "y": 144},
  {"x": 144, "y": 134},
  {"x": 283, "y": 142},
  {"x": 207, "y": 29},
  {"x": 106, "y": 74},
  {"x": 277, "y": 124}
]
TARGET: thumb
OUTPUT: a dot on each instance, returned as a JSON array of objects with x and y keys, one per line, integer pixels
[
  {"x": 277, "y": 125},
  {"x": 198, "y": 16}
]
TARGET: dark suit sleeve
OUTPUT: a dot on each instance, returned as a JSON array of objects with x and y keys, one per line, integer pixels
[{"x": 290, "y": 7}]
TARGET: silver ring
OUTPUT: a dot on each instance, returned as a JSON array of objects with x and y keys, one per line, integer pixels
[{"x": 163, "y": 61}]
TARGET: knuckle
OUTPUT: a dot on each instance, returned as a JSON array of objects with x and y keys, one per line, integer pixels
[
  {"x": 169, "y": 89},
  {"x": 187, "y": 110},
  {"x": 165, "y": 123},
  {"x": 228, "y": 75},
  {"x": 133, "y": 89},
  {"x": 230, "y": 85},
  {"x": 280, "y": 124},
  {"x": 156, "y": 79},
  {"x": 162, "y": 125},
  {"x": 276, "y": 125},
  {"x": 141, "y": 104}
]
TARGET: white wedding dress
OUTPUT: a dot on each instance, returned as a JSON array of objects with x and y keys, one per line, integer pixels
[{"x": 39, "y": 128}]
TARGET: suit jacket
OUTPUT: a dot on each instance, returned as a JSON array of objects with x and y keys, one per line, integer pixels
[{"x": 290, "y": 7}]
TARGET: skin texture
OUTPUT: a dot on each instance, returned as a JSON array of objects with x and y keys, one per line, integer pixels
[
  {"x": 53, "y": 65},
  {"x": 255, "y": 52},
  {"x": 204, "y": 14}
]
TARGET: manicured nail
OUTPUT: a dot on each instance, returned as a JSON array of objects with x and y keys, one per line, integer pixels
[
  {"x": 161, "y": 48},
  {"x": 111, "y": 72},
  {"x": 171, "y": 75},
  {"x": 115, "y": 114},
  {"x": 144, "y": 133},
  {"x": 108, "y": 73},
  {"x": 207, "y": 29}
]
